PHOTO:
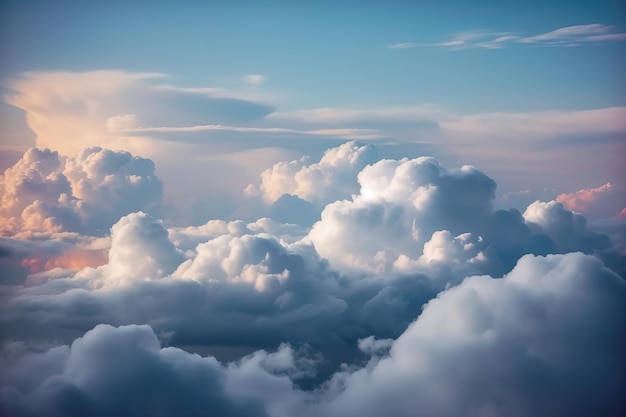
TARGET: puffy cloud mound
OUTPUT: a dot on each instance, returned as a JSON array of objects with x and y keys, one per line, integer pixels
[
  {"x": 544, "y": 341},
  {"x": 401, "y": 204},
  {"x": 568, "y": 230},
  {"x": 140, "y": 250},
  {"x": 46, "y": 192},
  {"x": 124, "y": 372},
  {"x": 330, "y": 179}
]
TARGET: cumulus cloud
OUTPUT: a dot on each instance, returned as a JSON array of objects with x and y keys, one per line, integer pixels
[
  {"x": 140, "y": 250},
  {"x": 124, "y": 371},
  {"x": 545, "y": 340},
  {"x": 600, "y": 202},
  {"x": 330, "y": 179},
  {"x": 87, "y": 193},
  {"x": 402, "y": 203},
  {"x": 568, "y": 230}
]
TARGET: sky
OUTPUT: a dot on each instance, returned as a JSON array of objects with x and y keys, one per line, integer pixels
[{"x": 271, "y": 208}]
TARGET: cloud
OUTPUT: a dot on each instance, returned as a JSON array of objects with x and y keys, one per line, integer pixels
[
  {"x": 330, "y": 179},
  {"x": 402, "y": 45},
  {"x": 215, "y": 130},
  {"x": 361, "y": 117},
  {"x": 410, "y": 291},
  {"x": 69, "y": 111},
  {"x": 140, "y": 250},
  {"x": 255, "y": 79},
  {"x": 527, "y": 344},
  {"x": 578, "y": 35},
  {"x": 402, "y": 203},
  {"x": 124, "y": 371},
  {"x": 604, "y": 201},
  {"x": 543, "y": 340},
  {"x": 423, "y": 214},
  {"x": 86, "y": 193}
]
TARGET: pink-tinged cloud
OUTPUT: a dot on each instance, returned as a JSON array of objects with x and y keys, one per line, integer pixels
[
  {"x": 76, "y": 259},
  {"x": 604, "y": 201}
]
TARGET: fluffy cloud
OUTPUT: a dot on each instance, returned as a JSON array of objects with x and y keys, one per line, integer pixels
[
  {"x": 568, "y": 230},
  {"x": 124, "y": 372},
  {"x": 88, "y": 193},
  {"x": 545, "y": 340},
  {"x": 402, "y": 203},
  {"x": 604, "y": 201},
  {"x": 140, "y": 250},
  {"x": 330, "y": 179}
]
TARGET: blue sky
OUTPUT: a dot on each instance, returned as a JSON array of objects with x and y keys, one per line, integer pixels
[{"x": 332, "y": 53}]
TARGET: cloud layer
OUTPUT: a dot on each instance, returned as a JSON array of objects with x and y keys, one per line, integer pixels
[
  {"x": 409, "y": 292},
  {"x": 544, "y": 340}
]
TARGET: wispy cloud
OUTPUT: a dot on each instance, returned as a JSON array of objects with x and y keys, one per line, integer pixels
[
  {"x": 351, "y": 133},
  {"x": 578, "y": 35},
  {"x": 255, "y": 79},
  {"x": 573, "y": 35},
  {"x": 403, "y": 45}
]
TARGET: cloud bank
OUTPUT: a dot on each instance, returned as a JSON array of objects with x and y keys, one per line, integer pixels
[
  {"x": 544, "y": 340},
  {"x": 409, "y": 292}
]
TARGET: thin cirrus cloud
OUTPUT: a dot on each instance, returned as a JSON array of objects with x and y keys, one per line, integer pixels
[{"x": 569, "y": 36}]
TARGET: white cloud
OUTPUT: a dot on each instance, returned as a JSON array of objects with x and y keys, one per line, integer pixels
[
  {"x": 503, "y": 347},
  {"x": 140, "y": 250},
  {"x": 578, "y": 35},
  {"x": 574, "y": 35},
  {"x": 255, "y": 79},
  {"x": 87, "y": 193},
  {"x": 330, "y": 179},
  {"x": 402, "y": 203},
  {"x": 402, "y": 45}
]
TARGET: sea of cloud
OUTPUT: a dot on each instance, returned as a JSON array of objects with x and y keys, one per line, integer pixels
[{"x": 396, "y": 288}]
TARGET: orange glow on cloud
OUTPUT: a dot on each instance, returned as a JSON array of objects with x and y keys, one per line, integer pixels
[
  {"x": 601, "y": 199},
  {"x": 76, "y": 259},
  {"x": 580, "y": 200}
]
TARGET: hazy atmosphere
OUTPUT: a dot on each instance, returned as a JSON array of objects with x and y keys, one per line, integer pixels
[{"x": 332, "y": 208}]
